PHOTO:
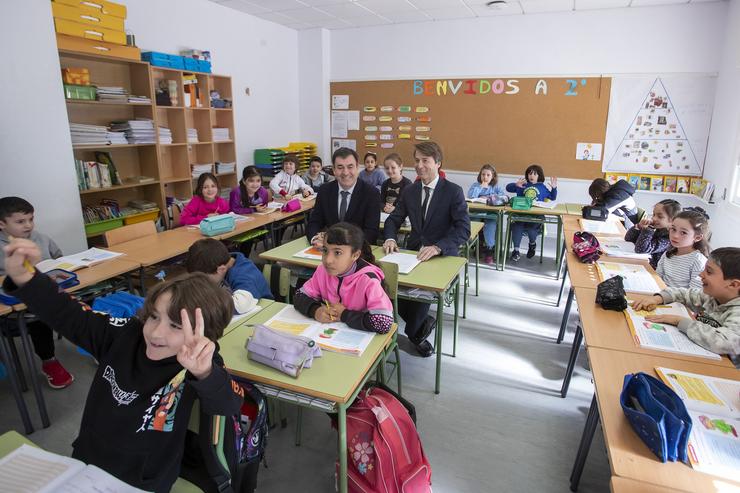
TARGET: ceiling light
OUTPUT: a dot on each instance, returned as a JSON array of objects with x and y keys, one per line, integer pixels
[{"x": 497, "y": 4}]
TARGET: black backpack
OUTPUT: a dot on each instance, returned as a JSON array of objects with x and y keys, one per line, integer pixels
[{"x": 231, "y": 466}]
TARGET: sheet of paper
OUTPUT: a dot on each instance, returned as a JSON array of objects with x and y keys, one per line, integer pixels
[
  {"x": 588, "y": 152},
  {"x": 477, "y": 200},
  {"x": 406, "y": 261},
  {"x": 92, "y": 479},
  {"x": 339, "y": 124},
  {"x": 714, "y": 445},
  {"x": 664, "y": 337},
  {"x": 603, "y": 227},
  {"x": 636, "y": 277},
  {"x": 545, "y": 205},
  {"x": 311, "y": 253},
  {"x": 348, "y": 143},
  {"x": 340, "y": 102},
  {"x": 353, "y": 120},
  {"x": 617, "y": 247},
  {"x": 239, "y": 218},
  {"x": 702, "y": 393},
  {"x": 29, "y": 469}
]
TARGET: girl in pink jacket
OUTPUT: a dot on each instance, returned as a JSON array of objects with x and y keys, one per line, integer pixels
[
  {"x": 347, "y": 286},
  {"x": 205, "y": 201}
]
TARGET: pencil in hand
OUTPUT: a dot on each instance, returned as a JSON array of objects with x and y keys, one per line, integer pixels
[
  {"x": 26, "y": 263},
  {"x": 328, "y": 309}
]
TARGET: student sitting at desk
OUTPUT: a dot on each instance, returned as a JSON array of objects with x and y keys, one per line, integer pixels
[
  {"x": 348, "y": 285},
  {"x": 391, "y": 188},
  {"x": 346, "y": 199},
  {"x": 233, "y": 271},
  {"x": 16, "y": 221},
  {"x": 287, "y": 183},
  {"x": 316, "y": 176},
  {"x": 151, "y": 369},
  {"x": 440, "y": 224},
  {"x": 617, "y": 198},
  {"x": 372, "y": 175},
  {"x": 716, "y": 304},
  {"x": 680, "y": 265},
  {"x": 250, "y": 196},
  {"x": 650, "y": 235},
  {"x": 205, "y": 201},
  {"x": 487, "y": 186},
  {"x": 531, "y": 186}
]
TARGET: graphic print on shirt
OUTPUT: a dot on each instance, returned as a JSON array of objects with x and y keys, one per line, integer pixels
[
  {"x": 530, "y": 193},
  {"x": 160, "y": 415},
  {"x": 121, "y": 396}
]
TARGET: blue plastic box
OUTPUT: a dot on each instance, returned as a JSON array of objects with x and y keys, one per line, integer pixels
[
  {"x": 191, "y": 64},
  {"x": 204, "y": 66},
  {"x": 166, "y": 60}
]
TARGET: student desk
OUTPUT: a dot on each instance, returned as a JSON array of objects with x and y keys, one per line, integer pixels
[
  {"x": 330, "y": 385},
  {"x": 624, "y": 485},
  {"x": 572, "y": 223},
  {"x": 439, "y": 275},
  {"x": 263, "y": 302},
  {"x": 483, "y": 211},
  {"x": 253, "y": 221},
  {"x": 546, "y": 216},
  {"x": 278, "y": 218},
  {"x": 574, "y": 209},
  {"x": 629, "y": 457}
]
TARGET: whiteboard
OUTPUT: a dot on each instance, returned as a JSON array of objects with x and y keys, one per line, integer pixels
[{"x": 659, "y": 125}]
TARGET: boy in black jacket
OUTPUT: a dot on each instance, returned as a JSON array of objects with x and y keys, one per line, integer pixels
[
  {"x": 617, "y": 198},
  {"x": 150, "y": 371}
]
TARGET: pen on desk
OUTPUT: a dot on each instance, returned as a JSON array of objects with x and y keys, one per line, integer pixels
[
  {"x": 26, "y": 263},
  {"x": 328, "y": 309}
]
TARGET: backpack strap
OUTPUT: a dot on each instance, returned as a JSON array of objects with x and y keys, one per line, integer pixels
[{"x": 215, "y": 463}]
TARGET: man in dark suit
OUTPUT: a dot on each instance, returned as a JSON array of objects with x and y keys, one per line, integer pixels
[
  {"x": 345, "y": 199},
  {"x": 440, "y": 224}
]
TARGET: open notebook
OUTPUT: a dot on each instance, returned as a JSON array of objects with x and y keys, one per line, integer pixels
[
  {"x": 714, "y": 406},
  {"x": 32, "y": 470},
  {"x": 89, "y": 257},
  {"x": 636, "y": 278}
]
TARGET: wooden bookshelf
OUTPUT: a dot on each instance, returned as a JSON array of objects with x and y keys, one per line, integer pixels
[{"x": 167, "y": 164}]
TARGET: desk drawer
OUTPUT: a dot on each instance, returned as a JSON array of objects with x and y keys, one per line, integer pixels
[
  {"x": 76, "y": 14},
  {"x": 71, "y": 28},
  {"x": 73, "y": 43},
  {"x": 97, "y": 7}
]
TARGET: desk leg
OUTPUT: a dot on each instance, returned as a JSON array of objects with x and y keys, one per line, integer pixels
[
  {"x": 15, "y": 388},
  {"x": 454, "y": 320},
  {"x": 467, "y": 279},
  {"x": 26, "y": 340},
  {"x": 558, "y": 246},
  {"x": 477, "y": 265},
  {"x": 577, "y": 339},
  {"x": 592, "y": 421},
  {"x": 438, "y": 340},
  {"x": 562, "y": 284},
  {"x": 564, "y": 322},
  {"x": 342, "y": 432},
  {"x": 142, "y": 281}
]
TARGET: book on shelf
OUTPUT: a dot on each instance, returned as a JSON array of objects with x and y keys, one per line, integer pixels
[
  {"x": 33, "y": 470},
  {"x": 220, "y": 134},
  {"x": 106, "y": 158}
]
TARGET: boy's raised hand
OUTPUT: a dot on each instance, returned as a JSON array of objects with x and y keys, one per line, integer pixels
[
  {"x": 196, "y": 354},
  {"x": 19, "y": 254}
]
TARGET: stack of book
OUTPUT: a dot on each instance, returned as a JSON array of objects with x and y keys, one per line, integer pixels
[
  {"x": 112, "y": 93},
  {"x": 165, "y": 135},
  {"x": 83, "y": 134},
  {"x": 221, "y": 134},
  {"x": 192, "y": 136},
  {"x": 108, "y": 209},
  {"x": 116, "y": 137},
  {"x": 199, "y": 169},
  {"x": 139, "y": 131},
  {"x": 139, "y": 99},
  {"x": 222, "y": 168}
]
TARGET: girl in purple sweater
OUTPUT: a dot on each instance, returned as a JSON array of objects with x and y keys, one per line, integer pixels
[
  {"x": 651, "y": 234},
  {"x": 205, "y": 201},
  {"x": 251, "y": 196}
]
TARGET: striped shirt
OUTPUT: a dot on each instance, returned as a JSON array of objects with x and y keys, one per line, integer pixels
[{"x": 682, "y": 271}]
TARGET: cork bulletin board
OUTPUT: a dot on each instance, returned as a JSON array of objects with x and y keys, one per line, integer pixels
[{"x": 559, "y": 123}]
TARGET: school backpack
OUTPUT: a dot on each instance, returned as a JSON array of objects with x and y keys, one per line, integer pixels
[
  {"x": 586, "y": 247},
  {"x": 384, "y": 452},
  {"x": 231, "y": 467}
]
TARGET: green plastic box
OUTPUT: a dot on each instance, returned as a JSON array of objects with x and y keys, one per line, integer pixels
[
  {"x": 72, "y": 91},
  {"x": 100, "y": 227}
]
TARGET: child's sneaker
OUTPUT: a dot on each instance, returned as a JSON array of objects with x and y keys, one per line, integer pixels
[
  {"x": 515, "y": 256},
  {"x": 488, "y": 259},
  {"x": 532, "y": 250},
  {"x": 57, "y": 376}
]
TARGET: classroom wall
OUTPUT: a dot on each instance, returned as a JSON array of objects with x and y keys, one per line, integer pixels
[
  {"x": 724, "y": 138},
  {"x": 34, "y": 134},
  {"x": 610, "y": 42},
  {"x": 313, "y": 69}
]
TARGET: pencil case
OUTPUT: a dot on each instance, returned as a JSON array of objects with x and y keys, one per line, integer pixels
[
  {"x": 657, "y": 414},
  {"x": 217, "y": 225},
  {"x": 64, "y": 279},
  {"x": 285, "y": 352},
  {"x": 291, "y": 205},
  {"x": 521, "y": 203}
]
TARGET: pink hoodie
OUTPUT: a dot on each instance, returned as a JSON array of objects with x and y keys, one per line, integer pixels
[{"x": 198, "y": 209}]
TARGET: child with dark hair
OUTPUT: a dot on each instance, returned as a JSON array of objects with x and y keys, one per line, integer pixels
[
  {"x": 531, "y": 186},
  {"x": 16, "y": 221},
  {"x": 348, "y": 285},
  {"x": 316, "y": 176},
  {"x": 250, "y": 196},
  {"x": 205, "y": 201},
  {"x": 650, "y": 235},
  {"x": 716, "y": 304},
  {"x": 616, "y": 198},
  {"x": 151, "y": 369},
  {"x": 372, "y": 175},
  {"x": 287, "y": 183},
  {"x": 233, "y": 271},
  {"x": 681, "y": 264}
]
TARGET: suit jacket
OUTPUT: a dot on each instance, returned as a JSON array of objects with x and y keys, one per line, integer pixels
[
  {"x": 363, "y": 210},
  {"x": 447, "y": 224}
]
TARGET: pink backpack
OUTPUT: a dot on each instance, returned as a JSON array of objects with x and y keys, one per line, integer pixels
[
  {"x": 384, "y": 453},
  {"x": 586, "y": 247}
]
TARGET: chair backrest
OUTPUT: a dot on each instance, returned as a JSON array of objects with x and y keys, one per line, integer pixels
[
  {"x": 278, "y": 278},
  {"x": 390, "y": 272},
  {"x": 129, "y": 232}
]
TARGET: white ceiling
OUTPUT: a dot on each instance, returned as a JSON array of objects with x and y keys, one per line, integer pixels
[{"x": 343, "y": 14}]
